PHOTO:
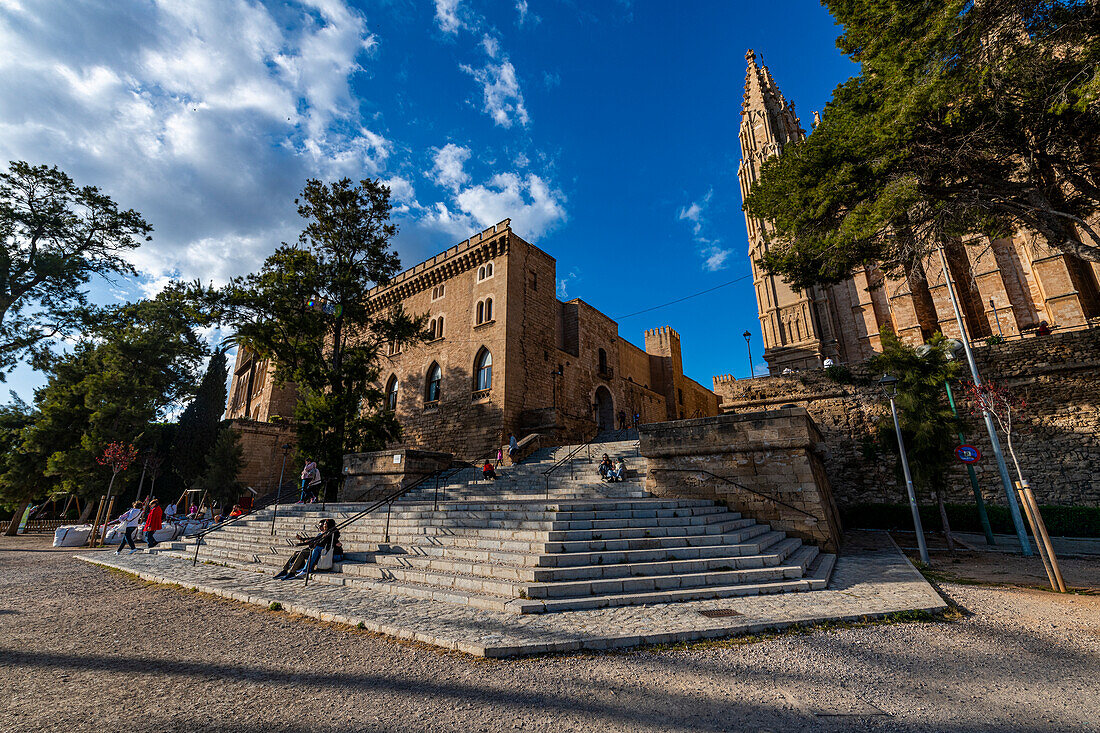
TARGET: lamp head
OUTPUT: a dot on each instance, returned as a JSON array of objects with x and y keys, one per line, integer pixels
[
  {"x": 888, "y": 385},
  {"x": 746, "y": 334}
]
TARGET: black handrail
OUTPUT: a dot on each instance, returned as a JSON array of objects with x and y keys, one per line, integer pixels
[
  {"x": 388, "y": 501},
  {"x": 740, "y": 486},
  {"x": 572, "y": 453},
  {"x": 266, "y": 501}
]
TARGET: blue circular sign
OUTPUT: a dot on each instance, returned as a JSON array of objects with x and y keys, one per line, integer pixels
[{"x": 967, "y": 453}]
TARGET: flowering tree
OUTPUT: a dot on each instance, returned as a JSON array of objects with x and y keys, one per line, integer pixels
[{"x": 1005, "y": 407}]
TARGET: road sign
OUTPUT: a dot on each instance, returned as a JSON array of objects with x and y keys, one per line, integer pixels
[{"x": 968, "y": 453}]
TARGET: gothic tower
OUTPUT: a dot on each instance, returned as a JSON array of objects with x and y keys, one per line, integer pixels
[{"x": 797, "y": 331}]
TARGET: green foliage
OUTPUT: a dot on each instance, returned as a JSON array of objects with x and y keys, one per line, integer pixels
[
  {"x": 839, "y": 374},
  {"x": 223, "y": 464},
  {"x": 308, "y": 310},
  {"x": 55, "y": 235},
  {"x": 138, "y": 362},
  {"x": 928, "y": 427},
  {"x": 966, "y": 118},
  {"x": 21, "y": 476},
  {"x": 994, "y": 340},
  {"x": 199, "y": 422}
]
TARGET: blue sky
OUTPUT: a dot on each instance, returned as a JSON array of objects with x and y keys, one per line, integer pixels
[{"x": 607, "y": 131}]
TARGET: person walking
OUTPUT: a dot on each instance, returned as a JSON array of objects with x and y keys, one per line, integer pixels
[
  {"x": 513, "y": 448},
  {"x": 311, "y": 479},
  {"x": 500, "y": 457},
  {"x": 153, "y": 521},
  {"x": 622, "y": 420},
  {"x": 131, "y": 520}
]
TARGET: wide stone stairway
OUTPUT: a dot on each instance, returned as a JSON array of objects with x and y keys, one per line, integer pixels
[{"x": 522, "y": 544}]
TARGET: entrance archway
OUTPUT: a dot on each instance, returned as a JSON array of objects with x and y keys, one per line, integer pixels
[{"x": 605, "y": 409}]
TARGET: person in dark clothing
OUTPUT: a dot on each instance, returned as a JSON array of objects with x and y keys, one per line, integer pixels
[
  {"x": 605, "y": 467},
  {"x": 312, "y": 549},
  {"x": 622, "y": 420}
]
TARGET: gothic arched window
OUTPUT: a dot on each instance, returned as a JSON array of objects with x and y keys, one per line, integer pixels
[
  {"x": 432, "y": 387},
  {"x": 483, "y": 370},
  {"x": 391, "y": 394}
]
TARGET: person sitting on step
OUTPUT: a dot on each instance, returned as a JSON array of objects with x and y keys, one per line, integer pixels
[
  {"x": 488, "y": 472},
  {"x": 616, "y": 474},
  {"x": 314, "y": 547},
  {"x": 605, "y": 467}
]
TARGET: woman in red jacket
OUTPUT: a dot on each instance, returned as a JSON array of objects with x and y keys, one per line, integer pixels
[{"x": 153, "y": 522}]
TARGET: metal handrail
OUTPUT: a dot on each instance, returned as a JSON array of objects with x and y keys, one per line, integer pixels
[
  {"x": 271, "y": 498},
  {"x": 572, "y": 454},
  {"x": 388, "y": 501},
  {"x": 740, "y": 486}
]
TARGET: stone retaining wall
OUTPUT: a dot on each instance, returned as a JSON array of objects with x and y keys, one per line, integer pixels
[
  {"x": 1059, "y": 452},
  {"x": 770, "y": 462},
  {"x": 374, "y": 475}
]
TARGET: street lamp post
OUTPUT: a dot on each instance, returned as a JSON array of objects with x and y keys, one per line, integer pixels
[
  {"x": 994, "y": 441},
  {"x": 889, "y": 386},
  {"x": 997, "y": 317},
  {"x": 747, "y": 335},
  {"x": 275, "y": 512}
]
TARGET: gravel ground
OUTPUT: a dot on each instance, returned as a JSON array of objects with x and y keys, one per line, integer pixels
[{"x": 82, "y": 648}]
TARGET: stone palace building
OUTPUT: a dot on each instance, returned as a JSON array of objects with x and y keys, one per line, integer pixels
[
  {"x": 1005, "y": 286},
  {"x": 504, "y": 355}
]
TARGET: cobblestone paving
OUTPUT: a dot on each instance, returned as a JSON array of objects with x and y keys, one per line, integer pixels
[{"x": 872, "y": 579}]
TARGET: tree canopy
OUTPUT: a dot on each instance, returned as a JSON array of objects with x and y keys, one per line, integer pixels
[
  {"x": 55, "y": 236},
  {"x": 966, "y": 119},
  {"x": 139, "y": 362},
  {"x": 308, "y": 310}
]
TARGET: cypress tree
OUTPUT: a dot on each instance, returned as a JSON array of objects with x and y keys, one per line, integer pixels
[{"x": 198, "y": 425}]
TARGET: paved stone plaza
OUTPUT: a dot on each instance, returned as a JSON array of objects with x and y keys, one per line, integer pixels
[{"x": 871, "y": 580}]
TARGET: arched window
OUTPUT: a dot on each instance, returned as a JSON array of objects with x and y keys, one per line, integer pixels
[
  {"x": 434, "y": 383},
  {"x": 483, "y": 370},
  {"x": 431, "y": 330},
  {"x": 481, "y": 273},
  {"x": 603, "y": 361},
  {"x": 485, "y": 271},
  {"x": 489, "y": 308},
  {"x": 391, "y": 394},
  {"x": 480, "y": 312},
  {"x": 439, "y": 331},
  {"x": 489, "y": 270}
]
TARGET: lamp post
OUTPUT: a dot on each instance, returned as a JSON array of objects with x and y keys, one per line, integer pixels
[
  {"x": 889, "y": 387},
  {"x": 994, "y": 441},
  {"x": 275, "y": 512},
  {"x": 996, "y": 317},
  {"x": 747, "y": 335}
]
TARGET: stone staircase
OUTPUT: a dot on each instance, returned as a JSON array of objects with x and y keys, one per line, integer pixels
[{"x": 503, "y": 546}]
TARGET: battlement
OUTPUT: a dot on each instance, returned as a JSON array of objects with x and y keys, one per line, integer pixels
[
  {"x": 662, "y": 332},
  {"x": 724, "y": 379}
]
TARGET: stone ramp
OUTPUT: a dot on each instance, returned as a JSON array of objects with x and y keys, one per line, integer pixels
[{"x": 871, "y": 581}]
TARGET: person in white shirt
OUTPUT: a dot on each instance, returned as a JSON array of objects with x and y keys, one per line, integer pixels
[{"x": 131, "y": 520}]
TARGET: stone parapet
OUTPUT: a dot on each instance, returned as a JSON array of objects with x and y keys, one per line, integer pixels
[
  {"x": 374, "y": 475},
  {"x": 766, "y": 466},
  {"x": 262, "y": 454}
]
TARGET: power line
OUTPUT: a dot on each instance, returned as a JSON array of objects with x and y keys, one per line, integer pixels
[{"x": 686, "y": 297}]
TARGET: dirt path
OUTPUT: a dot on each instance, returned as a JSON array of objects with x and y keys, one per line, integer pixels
[{"x": 85, "y": 649}]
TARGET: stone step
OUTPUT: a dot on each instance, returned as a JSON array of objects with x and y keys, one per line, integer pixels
[{"x": 512, "y": 566}]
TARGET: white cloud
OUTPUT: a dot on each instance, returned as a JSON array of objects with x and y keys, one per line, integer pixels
[
  {"x": 503, "y": 99},
  {"x": 446, "y": 15},
  {"x": 207, "y": 115},
  {"x": 491, "y": 46},
  {"x": 565, "y": 283},
  {"x": 533, "y": 207},
  {"x": 521, "y": 9},
  {"x": 447, "y": 169},
  {"x": 714, "y": 256}
]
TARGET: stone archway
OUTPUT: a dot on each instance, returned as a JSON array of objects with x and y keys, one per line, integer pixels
[{"x": 605, "y": 408}]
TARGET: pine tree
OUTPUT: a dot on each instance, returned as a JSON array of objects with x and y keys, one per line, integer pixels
[{"x": 199, "y": 424}]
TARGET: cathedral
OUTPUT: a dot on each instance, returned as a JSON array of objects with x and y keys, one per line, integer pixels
[{"x": 1006, "y": 287}]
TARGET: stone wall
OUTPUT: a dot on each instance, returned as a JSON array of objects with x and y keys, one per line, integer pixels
[
  {"x": 770, "y": 462},
  {"x": 375, "y": 475},
  {"x": 263, "y": 454},
  {"x": 1059, "y": 375}
]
